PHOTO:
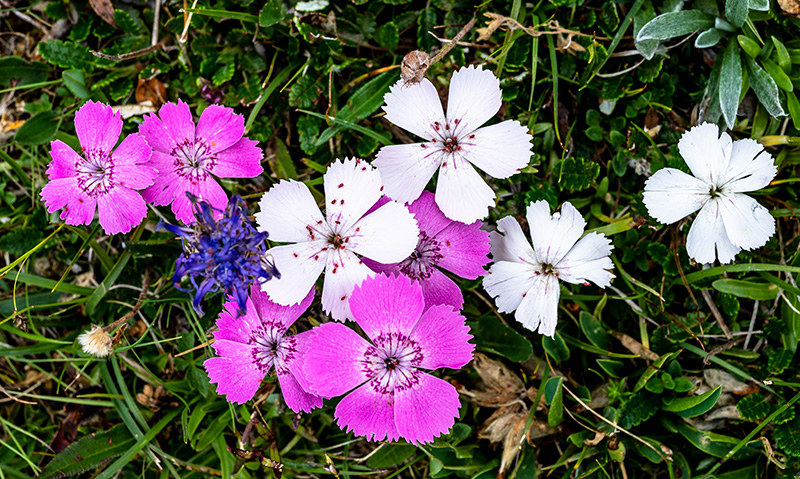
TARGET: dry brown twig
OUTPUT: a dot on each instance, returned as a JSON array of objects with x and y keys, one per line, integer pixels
[{"x": 551, "y": 28}]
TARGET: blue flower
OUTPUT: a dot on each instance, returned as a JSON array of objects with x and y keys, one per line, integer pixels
[{"x": 224, "y": 254}]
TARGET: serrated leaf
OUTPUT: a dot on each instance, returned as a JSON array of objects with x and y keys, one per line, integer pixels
[
  {"x": 708, "y": 38},
  {"x": 639, "y": 408},
  {"x": 390, "y": 455},
  {"x": 675, "y": 24},
  {"x": 779, "y": 360},
  {"x": 747, "y": 289},
  {"x": 764, "y": 87},
  {"x": 120, "y": 89},
  {"x": 787, "y": 437},
  {"x": 41, "y": 128},
  {"x": 304, "y": 92},
  {"x": 577, "y": 173},
  {"x": 223, "y": 74},
  {"x": 126, "y": 22},
  {"x": 491, "y": 335},
  {"x": 90, "y": 452},
  {"x": 753, "y": 406},
  {"x": 554, "y": 395},
  {"x": 556, "y": 347},
  {"x": 387, "y": 35},
  {"x": 736, "y": 11},
  {"x": 65, "y": 54},
  {"x": 272, "y": 13},
  {"x": 695, "y": 405},
  {"x": 19, "y": 241},
  {"x": 80, "y": 31},
  {"x": 308, "y": 128},
  {"x": 730, "y": 82}
]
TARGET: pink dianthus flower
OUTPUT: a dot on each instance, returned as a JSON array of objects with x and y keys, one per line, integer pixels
[
  {"x": 391, "y": 395},
  {"x": 100, "y": 180},
  {"x": 249, "y": 346},
  {"x": 462, "y": 249},
  {"x": 186, "y": 157}
]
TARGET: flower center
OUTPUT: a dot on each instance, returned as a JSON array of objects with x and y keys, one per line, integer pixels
[
  {"x": 272, "y": 348},
  {"x": 193, "y": 159},
  {"x": 95, "y": 173},
  {"x": 419, "y": 265},
  {"x": 714, "y": 191},
  {"x": 337, "y": 241},
  {"x": 546, "y": 268},
  {"x": 391, "y": 364}
]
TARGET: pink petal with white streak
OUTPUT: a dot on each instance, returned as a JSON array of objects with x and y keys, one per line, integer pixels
[{"x": 64, "y": 161}]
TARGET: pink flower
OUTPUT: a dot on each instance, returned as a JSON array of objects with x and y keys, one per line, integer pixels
[
  {"x": 453, "y": 144},
  {"x": 332, "y": 242},
  {"x": 249, "y": 346},
  {"x": 100, "y": 180},
  {"x": 186, "y": 157},
  {"x": 456, "y": 247},
  {"x": 391, "y": 396}
]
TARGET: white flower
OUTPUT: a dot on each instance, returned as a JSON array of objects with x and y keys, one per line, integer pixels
[
  {"x": 331, "y": 243},
  {"x": 723, "y": 169},
  {"x": 454, "y": 144},
  {"x": 96, "y": 342},
  {"x": 525, "y": 279}
]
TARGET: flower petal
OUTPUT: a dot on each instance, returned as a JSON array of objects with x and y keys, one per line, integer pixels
[
  {"x": 333, "y": 365},
  {"x": 236, "y": 328},
  {"x": 588, "y": 260},
  {"x": 120, "y": 210},
  {"x": 219, "y": 127},
  {"x": 671, "y": 195},
  {"x": 706, "y": 152},
  {"x": 708, "y": 234},
  {"x": 288, "y": 212},
  {"x": 439, "y": 289},
  {"x": 406, "y": 169},
  {"x": 97, "y": 126},
  {"x": 539, "y": 307},
  {"x": 295, "y": 364},
  {"x": 130, "y": 158},
  {"x": 511, "y": 245},
  {"x": 343, "y": 272},
  {"x": 58, "y": 192},
  {"x": 414, "y": 108},
  {"x": 387, "y": 235},
  {"x": 499, "y": 150},
  {"x": 64, "y": 162},
  {"x": 300, "y": 265},
  {"x": 295, "y": 397},
  {"x": 751, "y": 167},
  {"x": 464, "y": 249},
  {"x": 509, "y": 283},
  {"x": 748, "y": 224},
  {"x": 205, "y": 189},
  {"x": 166, "y": 182},
  {"x": 474, "y": 97},
  {"x": 270, "y": 311},
  {"x": 461, "y": 192},
  {"x": 426, "y": 409},
  {"x": 443, "y": 337},
  {"x": 240, "y": 160},
  {"x": 173, "y": 126},
  {"x": 430, "y": 218},
  {"x": 236, "y": 375},
  {"x": 553, "y": 236},
  {"x": 368, "y": 413},
  {"x": 384, "y": 304},
  {"x": 352, "y": 186}
]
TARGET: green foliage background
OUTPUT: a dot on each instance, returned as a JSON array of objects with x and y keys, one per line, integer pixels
[{"x": 640, "y": 380}]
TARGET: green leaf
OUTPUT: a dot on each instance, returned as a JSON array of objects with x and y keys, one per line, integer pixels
[
  {"x": 90, "y": 452},
  {"x": 25, "y": 73},
  {"x": 577, "y": 173},
  {"x": 553, "y": 394},
  {"x": 784, "y": 59},
  {"x": 747, "y": 289},
  {"x": 556, "y": 347},
  {"x": 388, "y": 35},
  {"x": 491, "y": 335},
  {"x": 41, "y": 128},
  {"x": 777, "y": 74},
  {"x": 637, "y": 409},
  {"x": 794, "y": 109},
  {"x": 308, "y": 128},
  {"x": 75, "y": 82},
  {"x": 695, "y": 405},
  {"x": 753, "y": 406},
  {"x": 19, "y": 241},
  {"x": 612, "y": 367},
  {"x": 708, "y": 38},
  {"x": 66, "y": 54},
  {"x": 126, "y": 22},
  {"x": 717, "y": 445},
  {"x": 736, "y": 11},
  {"x": 223, "y": 74},
  {"x": 594, "y": 330},
  {"x": 750, "y": 46},
  {"x": 304, "y": 92},
  {"x": 779, "y": 360},
  {"x": 80, "y": 31},
  {"x": 391, "y": 454},
  {"x": 787, "y": 437},
  {"x": 272, "y": 13},
  {"x": 765, "y": 88},
  {"x": 675, "y": 24},
  {"x": 730, "y": 82}
]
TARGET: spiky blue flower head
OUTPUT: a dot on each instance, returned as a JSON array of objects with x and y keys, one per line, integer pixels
[{"x": 224, "y": 254}]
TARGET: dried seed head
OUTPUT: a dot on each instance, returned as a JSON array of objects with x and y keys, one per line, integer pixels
[
  {"x": 96, "y": 342},
  {"x": 414, "y": 66}
]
